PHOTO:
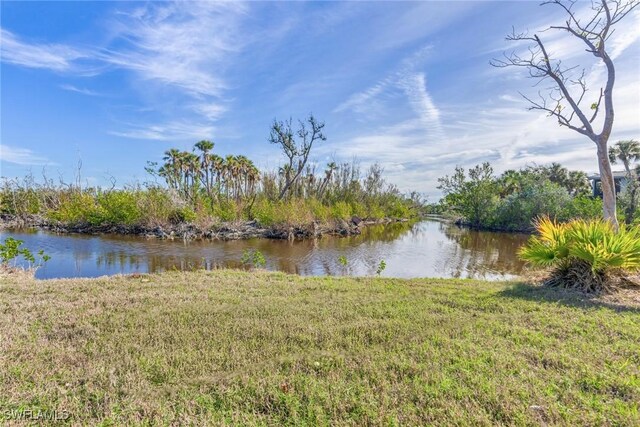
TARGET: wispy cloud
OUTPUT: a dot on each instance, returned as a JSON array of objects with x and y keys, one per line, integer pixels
[
  {"x": 417, "y": 22},
  {"x": 184, "y": 46},
  {"x": 169, "y": 131},
  {"x": 22, "y": 156},
  {"x": 627, "y": 35},
  {"x": 358, "y": 101},
  {"x": 415, "y": 86},
  {"x": 56, "y": 57},
  {"x": 410, "y": 141},
  {"x": 211, "y": 111},
  {"x": 180, "y": 44},
  {"x": 83, "y": 91}
]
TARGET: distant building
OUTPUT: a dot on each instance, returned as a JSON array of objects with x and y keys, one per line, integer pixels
[{"x": 619, "y": 177}]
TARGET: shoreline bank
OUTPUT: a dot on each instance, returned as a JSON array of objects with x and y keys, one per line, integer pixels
[{"x": 190, "y": 231}]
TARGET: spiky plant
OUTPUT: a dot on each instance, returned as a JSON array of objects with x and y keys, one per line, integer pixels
[{"x": 588, "y": 255}]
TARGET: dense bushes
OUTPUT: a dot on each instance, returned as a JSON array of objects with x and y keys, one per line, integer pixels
[
  {"x": 515, "y": 199},
  {"x": 533, "y": 200},
  {"x": 589, "y": 255},
  {"x": 153, "y": 206}
]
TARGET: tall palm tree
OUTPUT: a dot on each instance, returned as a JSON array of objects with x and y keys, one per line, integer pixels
[
  {"x": 242, "y": 165},
  {"x": 625, "y": 151},
  {"x": 510, "y": 182},
  {"x": 253, "y": 177},
  {"x": 230, "y": 171},
  {"x": 217, "y": 166},
  {"x": 205, "y": 147},
  {"x": 170, "y": 170}
]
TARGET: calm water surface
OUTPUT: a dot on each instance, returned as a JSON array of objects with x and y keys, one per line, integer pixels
[{"x": 427, "y": 249}]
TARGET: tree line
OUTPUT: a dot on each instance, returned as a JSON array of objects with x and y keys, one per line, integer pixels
[
  {"x": 200, "y": 175},
  {"x": 200, "y": 185},
  {"x": 514, "y": 199}
]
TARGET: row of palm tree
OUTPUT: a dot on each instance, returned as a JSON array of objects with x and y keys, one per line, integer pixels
[
  {"x": 190, "y": 173},
  {"x": 201, "y": 172}
]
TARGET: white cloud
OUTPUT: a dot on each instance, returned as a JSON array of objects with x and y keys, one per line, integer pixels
[
  {"x": 626, "y": 35},
  {"x": 169, "y": 131},
  {"x": 179, "y": 44},
  {"x": 21, "y": 156},
  {"x": 56, "y": 57},
  {"x": 211, "y": 111},
  {"x": 417, "y": 22},
  {"x": 83, "y": 91},
  {"x": 361, "y": 100},
  {"x": 184, "y": 46},
  {"x": 415, "y": 87}
]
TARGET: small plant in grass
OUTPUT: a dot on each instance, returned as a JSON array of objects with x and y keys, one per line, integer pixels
[
  {"x": 381, "y": 266},
  {"x": 342, "y": 260},
  {"x": 254, "y": 258},
  {"x": 586, "y": 255},
  {"x": 11, "y": 251}
]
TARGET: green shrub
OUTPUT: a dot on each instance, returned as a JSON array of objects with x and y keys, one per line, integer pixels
[
  {"x": 226, "y": 210},
  {"x": 117, "y": 207},
  {"x": 583, "y": 207},
  {"x": 399, "y": 209},
  {"x": 535, "y": 199},
  {"x": 264, "y": 212},
  {"x": 158, "y": 206},
  {"x": 473, "y": 195},
  {"x": 76, "y": 208},
  {"x": 381, "y": 267},
  {"x": 11, "y": 250},
  {"x": 588, "y": 255},
  {"x": 253, "y": 258},
  {"x": 182, "y": 215},
  {"x": 20, "y": 202},
  {"x": 374, "y": 210},
  {"x": 320, "y": 211},
  {"x": 341, "y": 210}
]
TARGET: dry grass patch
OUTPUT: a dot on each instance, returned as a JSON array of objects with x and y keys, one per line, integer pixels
[{"x": 231, "y": 347}]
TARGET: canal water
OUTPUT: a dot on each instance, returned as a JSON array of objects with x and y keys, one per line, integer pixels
[{"x": 429, "y": 248}]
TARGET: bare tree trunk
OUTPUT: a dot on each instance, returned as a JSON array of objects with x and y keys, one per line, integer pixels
[
  {"x": 608, "y": 184},
  {"x": 594, "y": 34}
]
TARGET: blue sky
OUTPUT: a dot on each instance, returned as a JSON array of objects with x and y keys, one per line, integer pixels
[{"x": 406, "y": 84}]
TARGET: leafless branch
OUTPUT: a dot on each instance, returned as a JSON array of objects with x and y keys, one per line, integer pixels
[{"x": 568, "y": 88}]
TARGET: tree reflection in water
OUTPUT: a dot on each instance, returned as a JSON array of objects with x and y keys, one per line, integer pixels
[{"x": 425, "y": 249}]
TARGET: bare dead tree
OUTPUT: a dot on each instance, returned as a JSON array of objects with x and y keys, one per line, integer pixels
[
  {"x": 565, "y": 98},
  {"x": 296, "y": 151}
]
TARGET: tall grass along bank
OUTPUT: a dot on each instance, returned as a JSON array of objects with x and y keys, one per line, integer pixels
[
  {"x": 229, "y": 206},
  {"x": 240, "y": 348}
]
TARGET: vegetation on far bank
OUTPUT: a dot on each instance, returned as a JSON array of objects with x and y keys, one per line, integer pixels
[
  {"x": 203, "y": 188},
  {"x": 230, "y": 347},
  {"x": 513, "y": 200}
]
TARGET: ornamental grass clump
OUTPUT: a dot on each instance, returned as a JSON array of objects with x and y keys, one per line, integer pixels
[{"x": 588, "y": 255}]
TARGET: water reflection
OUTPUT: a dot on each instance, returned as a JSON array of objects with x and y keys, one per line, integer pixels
[{"x": 426, "y": 249}]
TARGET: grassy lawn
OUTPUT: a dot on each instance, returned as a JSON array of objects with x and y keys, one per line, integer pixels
[{"x": 268, "y": 348}]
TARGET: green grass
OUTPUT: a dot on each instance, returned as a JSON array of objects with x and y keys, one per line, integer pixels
[{"x": 272, "y": 349}]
